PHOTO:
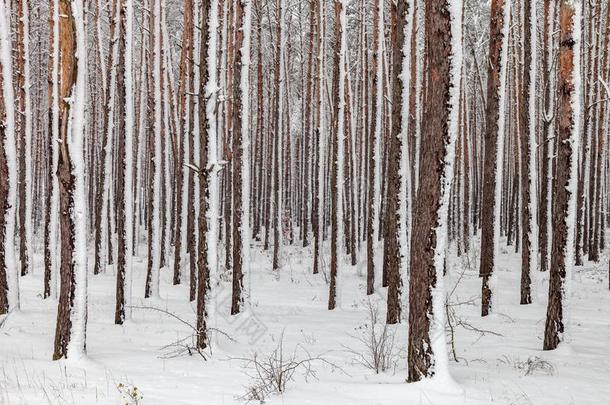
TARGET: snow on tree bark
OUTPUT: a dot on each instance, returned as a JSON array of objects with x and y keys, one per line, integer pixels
[
  {"x": 10, "y": 150},
  {"x": 529, "y": 170},
  {"x": 338, "y": 142},
  {"x": 427, "y": 353},
  {"x": 564, "y": 207},
  {"x": 494, "y": 149},
  {"x": 241, "y": 150},
  {"x": 70, "y": 334}
]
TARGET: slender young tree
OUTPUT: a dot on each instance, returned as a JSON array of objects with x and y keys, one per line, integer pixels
[
  {"x": 394, "y": 214},
  {"x": 529, "y": 170},
  {"x": 24, "y": 134},
  {"x": 241, "y": 151},
  {"x": 374, "y": 159},
  {"x": 4, "y": 185},
  {"x": 208, "y": 165},
  {"x": 564, "y": 206},
  {"x": 155, "y": 245},
  {"x": 52, "y": 193},
  {"x": 494, "y": 148},
  {"x": 278, "y": 77},
  {"x": 338, "y": 142},
  {"x": 125, "y": 164},
  {"x": 186, "y": 56}
]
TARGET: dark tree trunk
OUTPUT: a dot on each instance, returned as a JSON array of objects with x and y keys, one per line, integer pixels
[
  {"x": 335, "y": 248},
  {"x": 566, "y": 159},
  {"x": 238, "y": 141},
  {"x": 527, "y": 179},
  {"x": 203, "y": 270},
  {"x": 392, "y": 258},
  {"x": 4, "y": 205},
  {"x": 492, "y": 157},
  {"x": 119, "y": 312},
  {"x": 67, "y": 37},
  {"x": 370, "y": 243},
  {"x": 425, "y": 215}
]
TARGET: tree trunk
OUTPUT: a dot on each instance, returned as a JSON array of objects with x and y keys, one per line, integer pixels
[
  {"x": 494, "y": 139},
  {"x": 564, "y": 207},
  {"x": 426, "y": 356},
  {"x": 70, "y": 331},
  {"x": 393, "y": 222}
]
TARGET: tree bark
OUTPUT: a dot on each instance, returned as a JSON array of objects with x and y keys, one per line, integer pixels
[{"x": 565, "y": 179}]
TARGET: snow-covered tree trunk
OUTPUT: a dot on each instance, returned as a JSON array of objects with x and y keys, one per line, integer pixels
[
  {"x": 241, "y": 151},
  {"x": 318, "y": 205},
  {"x": 24, "y": 128},
  {"x": 338, "y": 141},
  {"x": 20, "y": 70},
  {"x": 181, "y": 170},
  {"x": 548, "y": 131},
  {"x": 125, "y": 165},
  {"x": 279, "y": 77},
  {"x": 103, "y": 192},
  {"x": 494, "y": 149},
  {"x": 427, "y": 349},
  {"x": 396, "y": 209},
  {"x": 529, "y": 169},
  {"x": 9, "y": 177},
  {"x": 154, "y": 265},
  {"x": 564, "y": 208},
  {"x": 52, "y": 198},
  {"x": 78, "y": 315},
  {"x": 374, "y": 198},
  {"x": 4, "y": 184},
  {"x": 70, "y": 333},
  {"x": 208, "y": 165}
]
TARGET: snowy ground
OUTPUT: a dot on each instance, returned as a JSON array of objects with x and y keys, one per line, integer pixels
[{"x": 501, "y": 363}]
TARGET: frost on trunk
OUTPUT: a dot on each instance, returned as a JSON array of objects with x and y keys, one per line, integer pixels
[
  {"x": 427, "y": 349},
  {"x": 494, "y": 150},
  {"x": 337, "y": 176},
  {"x": 569, "y": 114},
  {"x": 70, "y": 333},
  {"x": 208, "y": 166},
  {"x": 142, "y": 143},
  {"x": 241, "y": 150},
  {"x": 52, "y": 188},
  {"x": 125, "y": 167},
  {"x": 167, "y": 102},
  {"x": 152, "y": 280},
  {"x": 29, "y": 180},
  {"x": 529, "y": 204},
  {"x": 374, "y": 195},
  {"x": 10, "y": 150},
  {"x": 405, "y": 164},
  {"x": 397, "y": 172},
  {"x": 76, "y": 145},
  {"x": 278, "y": 125},
  {"x": 244, "y": 85},
  {"x": 318, "y": 220}
]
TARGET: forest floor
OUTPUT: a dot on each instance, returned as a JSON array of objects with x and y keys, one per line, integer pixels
[{"x": 500, "y": 357}]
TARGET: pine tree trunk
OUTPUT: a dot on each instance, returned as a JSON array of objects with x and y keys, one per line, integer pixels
[
  {"x": 186, "y": 57},
  {"x": 493, "y": 154},
  {"x": 5, "y": 240},
  {"x": 393, "y": 221},
  {"x": 70, "y": 333},
  {"x": 240, "y": 139},
  {"x": 429, "y": 224},
  {"x": 565, "y": 178},
  {"x": 119, "y": 313}
]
